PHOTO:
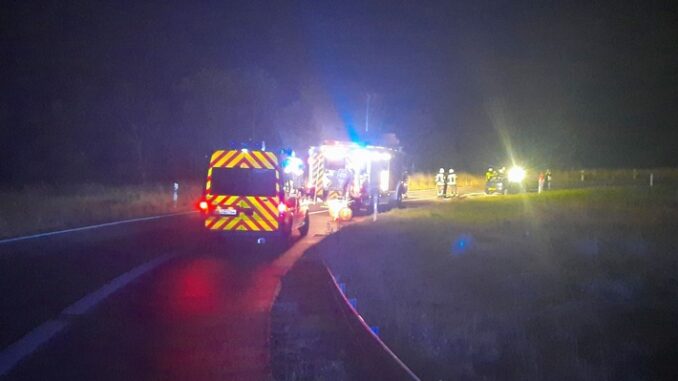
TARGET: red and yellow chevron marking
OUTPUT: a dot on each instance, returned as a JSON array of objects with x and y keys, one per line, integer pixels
[
  {"x": 242, "y": 159},
  {"x": 254, "y": 213},
  {"x": 334, "y": 194},
  {"x": 318, "y": 170}
]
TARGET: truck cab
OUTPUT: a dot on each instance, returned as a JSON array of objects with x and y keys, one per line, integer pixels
[{"x": 248, "y": 194}]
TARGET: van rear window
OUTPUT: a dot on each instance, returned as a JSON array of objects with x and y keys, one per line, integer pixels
[{"x": 243, "y": 181}]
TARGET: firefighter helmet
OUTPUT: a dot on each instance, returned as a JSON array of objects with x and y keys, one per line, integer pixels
[{"x": 442, "y": 170}]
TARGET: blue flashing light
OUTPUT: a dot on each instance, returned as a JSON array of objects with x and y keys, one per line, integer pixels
[
  {"x": 352, "y": 133},
  {"x": 293, "y": 165},
  {"x": 462, "y": 244}
]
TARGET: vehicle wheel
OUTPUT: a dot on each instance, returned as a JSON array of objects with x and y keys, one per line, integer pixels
[{"x": 307, "y": 225}]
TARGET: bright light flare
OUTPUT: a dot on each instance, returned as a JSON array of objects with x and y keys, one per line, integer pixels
[
  {"x": 294, "y": 165},
  {"x": 381, "y": 156},
  {"x": 203, "y": 205},
  {"x": 360, "y": 158},
  {"x": 335, "y": 206},
  {"x": 334, "y": 153},
  {"x": 383, "y": 180},
  {"x": 516, "y": 174}
]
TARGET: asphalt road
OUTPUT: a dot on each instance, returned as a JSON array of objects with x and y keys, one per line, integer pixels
[
  {"x": 201, "y": 314},
  {"x": 145, "y": 300}
]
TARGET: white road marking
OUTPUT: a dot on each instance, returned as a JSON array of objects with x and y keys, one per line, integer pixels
[
  {"x": 318, "y": 211},
  {"x": 366, "y": 328},
  {"x": 8, "y": 240},
  {"x": 85, "y": 304},
  {"x": 40, "y": 335}
]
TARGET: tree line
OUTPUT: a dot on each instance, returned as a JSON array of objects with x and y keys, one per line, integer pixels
[{"x": 127, "y": 131}]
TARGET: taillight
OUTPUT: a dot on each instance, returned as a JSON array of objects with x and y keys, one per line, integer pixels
[
  {"x": 203, "y": 206},
  {"x": 282, "y": 208}
]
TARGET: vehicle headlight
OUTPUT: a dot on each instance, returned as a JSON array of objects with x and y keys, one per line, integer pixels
[{"x": 516, "y": 174}]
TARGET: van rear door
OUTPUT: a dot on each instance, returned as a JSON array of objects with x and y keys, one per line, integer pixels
[{"x": 249, "y": 194}]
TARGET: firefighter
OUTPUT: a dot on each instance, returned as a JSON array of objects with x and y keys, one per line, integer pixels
[
  {"x": 489, "y": 174},
  {"x": 440, "y": 182},
  {"x": 451, "y": 190},
  {"x": 548, "y": 179},
  {"x": 540, "y": 182}
]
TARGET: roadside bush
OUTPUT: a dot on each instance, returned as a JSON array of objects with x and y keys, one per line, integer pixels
[{"x": 39, "y": 208}]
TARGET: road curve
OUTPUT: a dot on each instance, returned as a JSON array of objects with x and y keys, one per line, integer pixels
[{"x": 202, "y": 315}]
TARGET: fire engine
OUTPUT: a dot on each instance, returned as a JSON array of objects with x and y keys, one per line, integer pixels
[
  {"x": 361, "y": 176},
  {"x": 254, "y": 194}
]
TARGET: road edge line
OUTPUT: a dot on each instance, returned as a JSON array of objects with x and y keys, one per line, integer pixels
[
  {"x": 90, "y": 300},
  {"x": 28, "y": 344},
  {"x": 366, "y": 328}
]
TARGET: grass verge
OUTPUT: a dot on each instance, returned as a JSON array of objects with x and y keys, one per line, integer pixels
[
  {"x": 572, "y": 284},
  {"x": 45, "y": 208}
]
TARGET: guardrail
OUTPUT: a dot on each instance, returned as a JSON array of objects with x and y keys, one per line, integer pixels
[{"x": 372, "y": 355}]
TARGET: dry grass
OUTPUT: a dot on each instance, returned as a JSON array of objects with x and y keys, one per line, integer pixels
[
  {"x": 421, "y": 181},
  {"x": 568, "y": 285},
  {"x": 564, "y": 178},
  {"x": 45, "y": 208}
]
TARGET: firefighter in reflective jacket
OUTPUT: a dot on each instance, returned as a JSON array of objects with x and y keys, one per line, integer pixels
[
  {"x": 440, "y": 182},
  {"x": 489, "y": 174},
  {"x": 451, "y": 190}
]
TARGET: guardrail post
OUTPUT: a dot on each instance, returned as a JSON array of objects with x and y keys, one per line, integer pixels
[
  {"x": 651, "y": 180},
  {"x": 175, "y": 193},
  {"x": 376, "y": 207},
  {"x": 581, "y": 175}
]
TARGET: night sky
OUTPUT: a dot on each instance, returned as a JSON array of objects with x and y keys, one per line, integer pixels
[{"x": 141, "y": 91}]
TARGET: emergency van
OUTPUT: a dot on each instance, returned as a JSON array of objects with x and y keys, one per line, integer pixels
[{"x": 250, "y": 194}]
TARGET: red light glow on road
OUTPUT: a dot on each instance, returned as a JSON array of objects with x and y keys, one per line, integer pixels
[{"x": 198, "y": 289}]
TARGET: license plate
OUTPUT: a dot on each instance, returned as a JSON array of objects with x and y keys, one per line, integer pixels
[{"x": 227, "y": 212}]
